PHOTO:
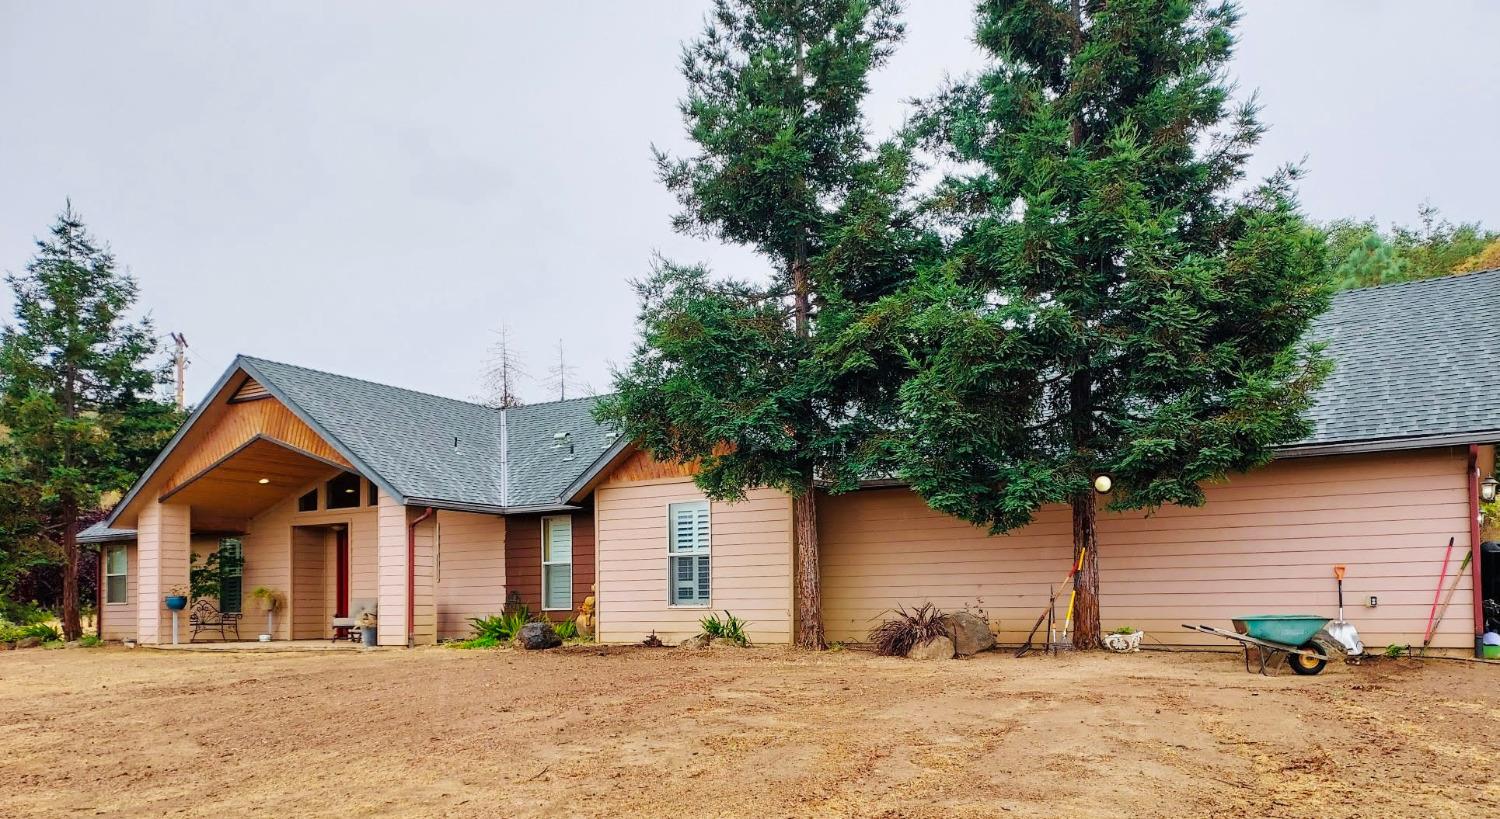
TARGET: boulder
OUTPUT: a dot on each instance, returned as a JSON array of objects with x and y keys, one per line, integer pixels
[
  {"x": 28, "y": 642},
  {"x": 696, "y": 641},
  {"x": 971, "y": 634},
  {"x": 536, "y": 636},
  {"x": 938, "y": 648}
]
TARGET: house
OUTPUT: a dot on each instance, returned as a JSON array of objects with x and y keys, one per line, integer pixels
[{"x": 335, "y": 488}]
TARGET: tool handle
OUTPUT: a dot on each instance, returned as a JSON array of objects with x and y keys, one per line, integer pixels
[{"x": 1338, "y": 573}]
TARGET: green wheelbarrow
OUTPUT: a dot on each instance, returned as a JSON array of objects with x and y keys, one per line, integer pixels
[{"x": 1271, "y": 635}]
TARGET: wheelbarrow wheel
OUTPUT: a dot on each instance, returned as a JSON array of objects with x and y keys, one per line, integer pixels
[{"x": 1308, "y": 666}]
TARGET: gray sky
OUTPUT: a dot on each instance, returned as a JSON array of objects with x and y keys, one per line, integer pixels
[{"x": 372, "y": 188}]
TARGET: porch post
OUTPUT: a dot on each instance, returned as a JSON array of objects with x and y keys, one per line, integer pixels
[
  {"x": 163, "y": 548},
  {"x": 391, "y": 556}
]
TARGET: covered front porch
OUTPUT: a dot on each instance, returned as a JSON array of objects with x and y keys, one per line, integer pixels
[{"x": 253, "y": 482}]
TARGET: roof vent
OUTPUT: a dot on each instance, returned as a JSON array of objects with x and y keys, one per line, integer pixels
[
  {"x": 250, "y": 390},
  {"x": 563, "y": 441}
]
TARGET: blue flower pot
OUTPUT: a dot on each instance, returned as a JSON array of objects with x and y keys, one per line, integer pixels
[{"x": 176, "y": 602}]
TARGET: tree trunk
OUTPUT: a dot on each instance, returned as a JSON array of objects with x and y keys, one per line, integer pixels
[
  {"x": 1086, "y": 631},
  {"x": 809, "y": 592},
  {"x": 71, "y": 627}
]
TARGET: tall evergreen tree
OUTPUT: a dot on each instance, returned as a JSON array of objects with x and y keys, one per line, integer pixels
[
  {"x": 728, "y": 373},
  {"x": 1106, "y": 307},
  {"x": 75, "y": 388}
]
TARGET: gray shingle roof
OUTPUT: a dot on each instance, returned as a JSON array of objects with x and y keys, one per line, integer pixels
[
  {"x": 430, "y": 448},
  {"x": 1416, "y": 359},
  {"x": 99, "y": 533}
]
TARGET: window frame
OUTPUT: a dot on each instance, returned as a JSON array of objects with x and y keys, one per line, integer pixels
[
  {"x": 674, "y": 553},
  {"x": 545, "y": 527},
  {"x": 123, "y": 573},
  {"x": 316, "y": 497},
  {"x": 336, "y": 501},
  {"x": 239, "y": 550}
]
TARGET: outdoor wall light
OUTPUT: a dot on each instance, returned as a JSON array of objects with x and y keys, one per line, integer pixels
[
  {"x": 1104, "y": 483},
  {"x": 264, "y": 480},
  {"x": 1487, "y": 489}
]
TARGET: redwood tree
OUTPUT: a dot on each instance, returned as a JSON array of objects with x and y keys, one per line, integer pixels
[
  {"x": 1109, "y": 303},
  {"x": 729, "y": 373},
  {"x": 76, "y": 390}
]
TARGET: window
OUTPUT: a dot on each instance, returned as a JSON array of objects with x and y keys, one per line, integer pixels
[
  {"x": 114, "y": 575},
  {"x": 374, "y": 495},
  {"x": 231, "y": 574},
  {"x": 687, "y": 553},
  {"x": 557, "y": 563},
  {"x": 308, "y": 502},
  {"x": 343, "y": 491}
]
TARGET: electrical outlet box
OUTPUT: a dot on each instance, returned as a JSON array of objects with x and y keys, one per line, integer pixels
[{"x": 1374, "y": 601}]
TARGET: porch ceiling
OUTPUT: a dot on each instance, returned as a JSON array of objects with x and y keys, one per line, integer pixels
[{"x": 233, "y": 488}]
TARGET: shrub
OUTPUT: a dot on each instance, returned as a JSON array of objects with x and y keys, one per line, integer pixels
[
  {"x": 567, "y": 629},
  {"x": 502, "y": 628},
  {"x": 90, "y": 641},
  {"x": 1124, "y": 630},
  {"x": 907, "y": 629},
  {"x": 45, "y": 632},
  {"x": 729, "y": 628},
  {"x": 22, "y": 613},
  {"x": 1393, "y": 650}
]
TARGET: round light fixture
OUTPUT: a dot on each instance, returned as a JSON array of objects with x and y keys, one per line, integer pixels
[
  {"x": 1103, "y": 483},
  {"x": 1487, "y": 488},
  {"x": 264, "y": 480}
]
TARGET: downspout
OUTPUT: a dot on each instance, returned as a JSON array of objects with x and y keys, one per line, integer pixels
[
  {"x": 411, "y": 577},
  {"x": 1476, "y": 555}
]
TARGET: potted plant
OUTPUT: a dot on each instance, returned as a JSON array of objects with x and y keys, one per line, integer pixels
[
  {"x": 176, "y": 598},
  {"x": 269, "y": 601},
  {"x": 1124, "y": 639},
  {"x": 367, "y": 624}
]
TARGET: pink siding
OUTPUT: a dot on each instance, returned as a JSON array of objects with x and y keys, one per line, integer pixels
[
  {"x": 470, "y": 570},
  {"x": 312, "y": 569},
  {"x": 751, "y": 562},
  {"x": 269, "y": 562},
  {"x": 120, "y": 618},
  {"x": 163, "y": 546},
  {"x": 1265, "y": 542}
]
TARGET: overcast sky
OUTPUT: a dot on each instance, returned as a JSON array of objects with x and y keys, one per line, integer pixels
[{"x": 373, "y": 188}]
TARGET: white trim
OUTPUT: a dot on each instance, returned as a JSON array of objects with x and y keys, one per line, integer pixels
[
  {"x": 698, "y": 551},
  {"x": 545, "y": 529},
  {"x": 124, "y": 572}
]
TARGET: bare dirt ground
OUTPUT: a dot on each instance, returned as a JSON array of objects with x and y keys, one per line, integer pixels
[{"x": 763, "y": 732}]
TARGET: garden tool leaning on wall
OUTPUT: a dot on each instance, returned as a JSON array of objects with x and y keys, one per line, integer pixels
[{"x": 1340, "y": 630}]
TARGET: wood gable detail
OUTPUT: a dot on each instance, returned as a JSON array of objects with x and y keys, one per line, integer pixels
[
  {"x": 640, "y": 466},
  {"x": 239, "y": 425}
]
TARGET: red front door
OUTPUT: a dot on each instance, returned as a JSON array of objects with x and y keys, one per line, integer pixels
[{"x": 341, "y": 560}]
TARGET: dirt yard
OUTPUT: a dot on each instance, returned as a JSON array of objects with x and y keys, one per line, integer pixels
[{"x": 761, "y": 732}]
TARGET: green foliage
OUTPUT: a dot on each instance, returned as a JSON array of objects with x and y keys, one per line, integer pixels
[
  {"x": 1105, "y": 305},
  {"x": 906, "y": 629},
  {"x": 207, "y": 570},
  {"x": 728, "y": 627},
  {"x": 45, "y": 632},
  {"x": 23, "y": 613},
  {"x": 504, "y": 627},
  {"x": 566, "y": 629},
  {"x": 479, "y": 642},
  {"x": 75, "y": 398},
  {"x": 1123, "y": 630},
  {"x": 90, "y": 641},
  {"x": 728, "y": 371},
  {"x": 1395, "y": 650},
  {"x": 1365, "y": 256}
]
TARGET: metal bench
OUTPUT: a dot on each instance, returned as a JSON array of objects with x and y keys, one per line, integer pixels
[{"x": 205, "y": 616}]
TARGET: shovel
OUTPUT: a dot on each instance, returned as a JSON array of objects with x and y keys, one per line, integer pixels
[{"x": 1341, "y": 631}]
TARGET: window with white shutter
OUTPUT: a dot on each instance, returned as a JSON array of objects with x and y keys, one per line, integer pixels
[
  {"x": 688, "y": 554},
  {"x": 557, "y": 563}
]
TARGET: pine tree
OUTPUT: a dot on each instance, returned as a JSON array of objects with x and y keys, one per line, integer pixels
[
  {"x": 730, "y": 373},
  {"x": 1106, "y": 307},
  {"x": 75, "y": 388},
  {"x": 503, "y": 373}
]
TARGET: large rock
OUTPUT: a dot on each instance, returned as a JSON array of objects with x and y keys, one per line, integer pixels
[
  {"x": 938, "y": 648},
  {"x": 971, "y": 634},
  {"x": 696, "y": 641},
  {"x": 535, "y": 636},
  {"x": 29, "y": 642}
]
